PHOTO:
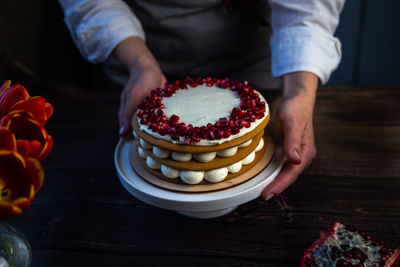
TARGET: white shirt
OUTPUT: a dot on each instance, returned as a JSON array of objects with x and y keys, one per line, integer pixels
[{"x": 302, "y": 38}]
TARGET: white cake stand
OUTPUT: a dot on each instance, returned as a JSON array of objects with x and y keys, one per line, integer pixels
[{"x": 197, "y": 205}]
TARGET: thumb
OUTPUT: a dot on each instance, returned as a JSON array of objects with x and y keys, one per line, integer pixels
[
  {"x": 125, "y": 112},
  {"x": 292, "y": 135}
]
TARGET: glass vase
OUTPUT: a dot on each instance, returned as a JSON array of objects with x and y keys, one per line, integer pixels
[{"x": 15, "y": 250}]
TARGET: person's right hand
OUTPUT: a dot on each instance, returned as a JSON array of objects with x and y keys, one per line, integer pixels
[{"x": 144, "y": 75}]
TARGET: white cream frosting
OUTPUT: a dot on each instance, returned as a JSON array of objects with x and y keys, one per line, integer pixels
[
  {"x": 217, "y": 175},
  {"x": 245, "y": 144},
  {"x": 195, "y": 177},
  {"x": 141, "y": 153},
  {"x": 235, "y": 167},
  {"x": 249, "y": 159},
  {"x": 229, "y": 152},
  {"x": 192, "y": 177},
  {"x": 182, "y": 157},
  {"x": 260, "y": 145},
  {"x": 153, "y": 164},
  {"x": 160, "y": 153},
  {"x": 169, "y": 172},
  {"x": 201, "y": 105},
  {"x": 144, "y": 144},
  {"x": 205, "y": 157}
]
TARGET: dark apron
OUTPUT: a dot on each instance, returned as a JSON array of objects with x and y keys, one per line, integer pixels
[{"x": 200, "y": 38}]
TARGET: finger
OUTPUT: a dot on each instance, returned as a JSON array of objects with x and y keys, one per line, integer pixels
[
  {"x": 290, "y": 173},
  {"x": 292, "y": 140},
  {"x": 125, "y": 112}
]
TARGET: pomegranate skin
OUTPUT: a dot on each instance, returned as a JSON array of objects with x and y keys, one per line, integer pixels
[{"x": 343, "y": 245}]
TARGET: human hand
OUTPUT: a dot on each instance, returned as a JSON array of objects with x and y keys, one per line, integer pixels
[
  {"x": 144, "y": 75},
  {"x": 294, "y": 120}
]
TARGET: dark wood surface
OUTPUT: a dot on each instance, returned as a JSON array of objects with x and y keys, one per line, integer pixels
[{"x": 84, "y": 217}]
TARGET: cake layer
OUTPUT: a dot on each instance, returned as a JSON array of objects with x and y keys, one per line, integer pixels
[
  {"x": 216, "y": 163},
  {"x": 185, "y": 157},
  {"x": 201, "y": 177},
  {"x": 197, "y": 149}
]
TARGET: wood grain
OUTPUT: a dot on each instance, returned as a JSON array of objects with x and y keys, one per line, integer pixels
[{"x": 84, "y": 217}]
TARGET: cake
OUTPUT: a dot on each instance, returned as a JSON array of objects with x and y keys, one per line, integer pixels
[{"x": 201, "y": 130}]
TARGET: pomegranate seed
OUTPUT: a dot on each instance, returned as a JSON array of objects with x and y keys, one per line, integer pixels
[
  {"x": 246, "y": 124},
  {"x": 210, "y": 135},
  {"x": 227, "y": 133},
  {"x": 188, "y": 140},
  {"x": 175, "y": 136},
  {"x": 196, "y": 131},
  {"x": 223, "y": 120}
]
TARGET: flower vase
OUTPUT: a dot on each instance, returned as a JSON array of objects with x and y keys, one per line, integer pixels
[{"x": 15, "y": 250}]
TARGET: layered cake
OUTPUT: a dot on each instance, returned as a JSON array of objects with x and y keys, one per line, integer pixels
[{"x": 201, "y": 130}]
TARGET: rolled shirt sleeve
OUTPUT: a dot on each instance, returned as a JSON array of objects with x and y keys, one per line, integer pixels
[
  {"x": 97, "y": 26},
  {"x": 302, "y": 38}
]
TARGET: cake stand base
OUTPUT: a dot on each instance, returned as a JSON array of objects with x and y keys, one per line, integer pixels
[
  {"x": 207, "y": 214},
  {"x": 196, "y": 205}
]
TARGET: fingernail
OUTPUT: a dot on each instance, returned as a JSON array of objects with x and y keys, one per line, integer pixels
[
  {"x": 296, "y": 154},
  {"x": 269, "y": 196},
  {"x": 122, "y": 129}
]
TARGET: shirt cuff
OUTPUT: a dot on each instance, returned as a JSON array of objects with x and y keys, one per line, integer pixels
[
  {"x": 99, "y": 32},
  {"x": 304, "y": 49}
]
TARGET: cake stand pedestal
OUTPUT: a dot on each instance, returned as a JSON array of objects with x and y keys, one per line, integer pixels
[{"x": 196, "y": 205}]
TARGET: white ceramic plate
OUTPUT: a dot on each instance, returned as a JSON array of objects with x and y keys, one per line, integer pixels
[{"x": 198, "y": 205}]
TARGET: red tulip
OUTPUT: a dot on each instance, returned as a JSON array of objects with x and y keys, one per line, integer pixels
[
  {"x": 20, "y": 179},
  {"x": 7, "y": 140},
  {"x": 32, "y": 138},
  {"x": 37, "y": 107},
  {"x": 10, "y": 95}
]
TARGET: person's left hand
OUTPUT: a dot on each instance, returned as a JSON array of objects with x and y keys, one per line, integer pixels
[{"x": 294, "y": 120}]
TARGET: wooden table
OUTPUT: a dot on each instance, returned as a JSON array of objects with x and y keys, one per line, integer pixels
[{"x": 84, "y": 217}]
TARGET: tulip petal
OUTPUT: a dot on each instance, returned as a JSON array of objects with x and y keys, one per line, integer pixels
[
  {"x": 7, "y": 139},
  {"x": 4, "y": 87},
  {"x": 36, "y": 106},
  {"x": 11, "y": 96},
  {"x": 20, "y": 179}
]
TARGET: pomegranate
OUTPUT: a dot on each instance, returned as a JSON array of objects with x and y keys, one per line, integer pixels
[
  {"x": 151, "y": 111},
  {"x": 344, "y": 245}
]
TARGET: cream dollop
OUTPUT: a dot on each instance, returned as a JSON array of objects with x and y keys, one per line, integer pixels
[
  {"x": 153, "y": 164},
  {"x": 141, "y": 153},
  {"x": 229, "y": 152},
  {"x": 249, "y": 159},
  {"x": 217, "y": 175},
  {"x": 235, "y": 167},
  {"x": 247, "y": 143},
  {"x": 144, "y": 144},
  {"x": 205, "y": 157},
  {"x": 192, "y": 177},
  {"x": 183, "y": 157},
  {"x": 169, "y": 172},
  {"x": 160, "y": 153}
]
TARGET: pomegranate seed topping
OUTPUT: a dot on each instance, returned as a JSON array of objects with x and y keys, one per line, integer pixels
[
  {"x": 175, "y": 136},
  {"x": 246, "y": 124},
  {"x": 223, "y": 120},
  {"x": 196, "y": 131},
  {"x": 171, "y": 130},
  {"x": 210, "y": 135},
  {"x": 188, "y": 140},
  {"x": 227, "y": 133}
]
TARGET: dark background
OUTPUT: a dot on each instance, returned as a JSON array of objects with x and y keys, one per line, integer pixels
[{"x": 33, "y": 34}]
